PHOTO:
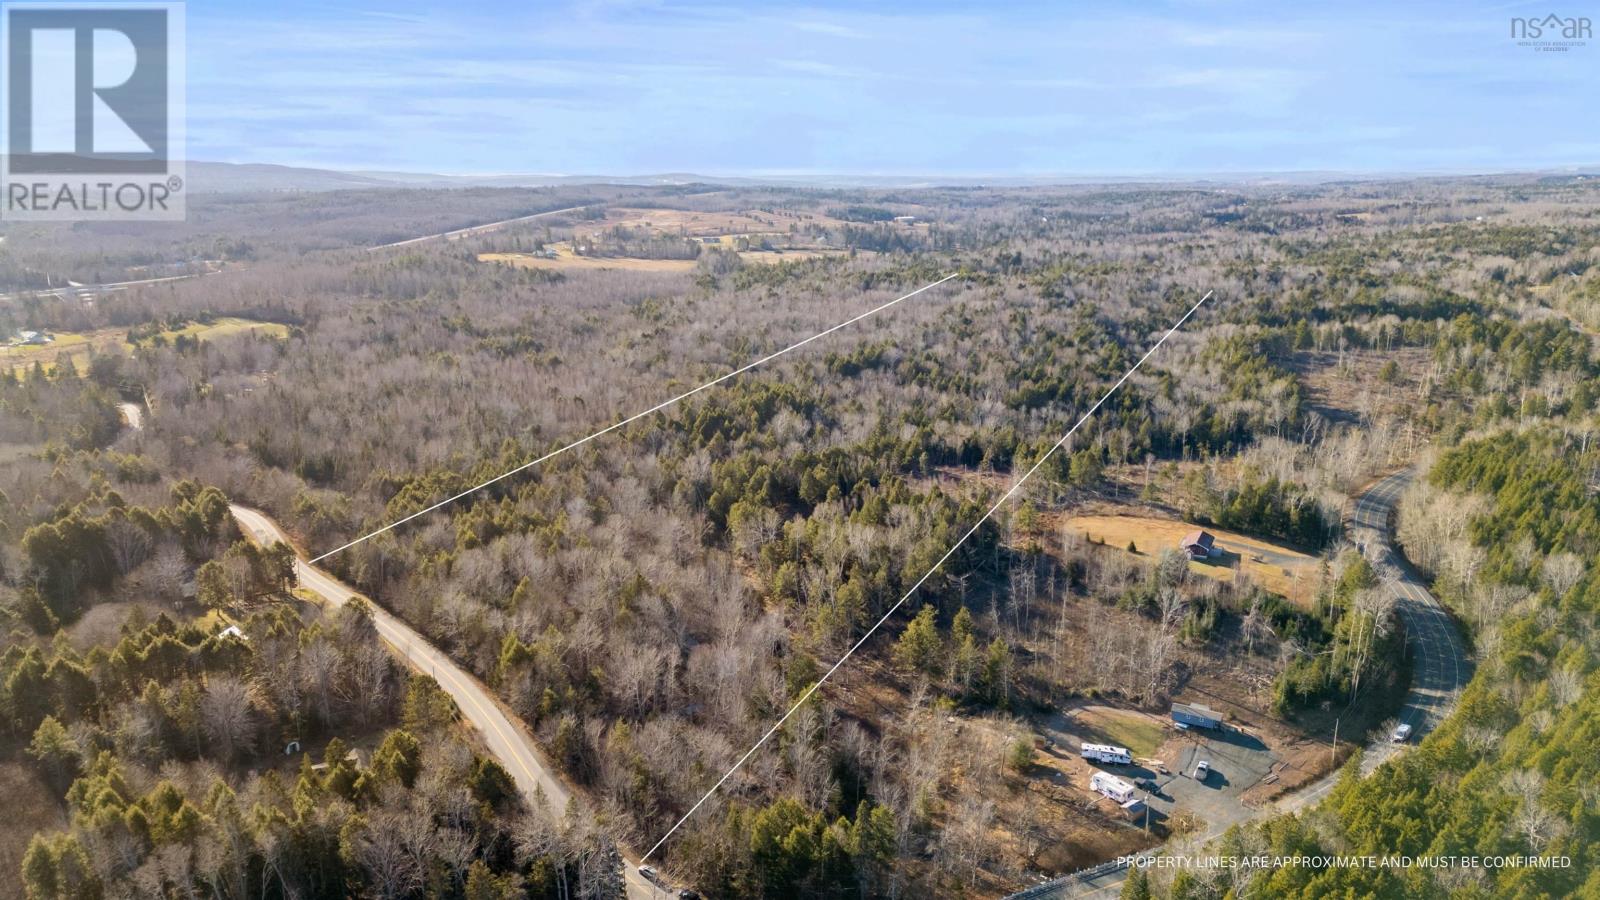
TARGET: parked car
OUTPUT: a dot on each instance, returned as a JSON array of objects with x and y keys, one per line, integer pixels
[
  {"x": 648, "y": 873},
  {"x": 687, "y": 894},
  {"x": 1402, "y": 733},
  {"x": 1202, "y": 770}
]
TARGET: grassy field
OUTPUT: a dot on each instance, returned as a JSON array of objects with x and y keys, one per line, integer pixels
[
  {"x": 566, "y": 259},
  {"x": 698, "y": 223},
  {"x": 79, "y": 346},
  {"x": 1287, "y": 573},
  {"x": 1143, "y": 735}
]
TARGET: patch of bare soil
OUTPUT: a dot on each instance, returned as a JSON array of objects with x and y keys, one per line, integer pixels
[{"x": 1351, "y": 385}]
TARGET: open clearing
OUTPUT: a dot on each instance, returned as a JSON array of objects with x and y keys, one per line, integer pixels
[
  {"x": 79, "y": 345},
  {"x": 1287, "y": 573},
  {"x": 695, "y": 223},
  {"x": 1142, "y": 733},
  {"x": 566, "y": 259}
]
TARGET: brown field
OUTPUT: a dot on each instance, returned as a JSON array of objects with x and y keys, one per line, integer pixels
[
  {"x": 569, "y": 260},
  {"x": 1287, "y": 573},
  {"x": 79, "y": 346},
  {"x": 566, "y": 259},
  {"x": 1329, "y": 386},
  {"x": 1142, "y": 733},
  {"x": 101, "y": 625},
  {"x": 692, "y": 223}
]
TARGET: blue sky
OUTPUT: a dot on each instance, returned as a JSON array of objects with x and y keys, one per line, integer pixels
[{"x": 931, "y": 87}]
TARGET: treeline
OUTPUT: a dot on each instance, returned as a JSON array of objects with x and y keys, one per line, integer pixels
[
  {"x": 422, "y": 816},
  {"x": 651, "y": 601},
  {"x": 76, "y": 551},
  {"x": 1512, "y": 770},
  {"x": 639, "y": 243},
  {"x": 36, "y": 408},
  {"x": 1356, "y": 649},
  {"x": 1274, "y": 509}
]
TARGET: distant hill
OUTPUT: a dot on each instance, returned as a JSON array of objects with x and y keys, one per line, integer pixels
[
  {"x": 216, "y": 177},
  {"x": 224, "y": 178}
]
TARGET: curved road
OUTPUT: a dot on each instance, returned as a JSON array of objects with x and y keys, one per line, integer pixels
[
  {"x": 506, "y": 738},
  {"x": 1440, "y": 669},
  {"x": 1440, "y": 664}
]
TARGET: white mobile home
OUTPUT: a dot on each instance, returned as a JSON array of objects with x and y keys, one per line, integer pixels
[
  {"x": 1109, "y": 785},
  {"x": 1105, "y": 753}
]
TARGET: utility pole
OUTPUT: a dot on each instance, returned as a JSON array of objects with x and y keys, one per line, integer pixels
[{"x": 1333, "y": 751}]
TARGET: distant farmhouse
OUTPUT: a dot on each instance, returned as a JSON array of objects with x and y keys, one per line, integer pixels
[
  {"x": 1200, "y": 545},
  {"x": 31, "y": 339}
]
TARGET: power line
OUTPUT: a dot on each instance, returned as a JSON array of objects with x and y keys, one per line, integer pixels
[{"x": 633, "y": 418}]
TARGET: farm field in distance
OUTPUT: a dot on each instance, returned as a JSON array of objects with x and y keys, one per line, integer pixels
[
  {"x": 669, "y": 239},
  {"x": 564, "y": 258},
  {"x": 641, "y": 610},
  {"x": 80, "y": 346},
  {"x": 703, "y": 451}
]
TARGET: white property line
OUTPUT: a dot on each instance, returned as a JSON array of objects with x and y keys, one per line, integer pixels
[
  {"x": 633, "y": 418},
  {"x": 926, "y": 575}
]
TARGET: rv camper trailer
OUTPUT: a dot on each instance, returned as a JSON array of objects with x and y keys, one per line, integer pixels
[
  {"x": 1111, "y": 786},
  {"x": 1105, "y": 753}
]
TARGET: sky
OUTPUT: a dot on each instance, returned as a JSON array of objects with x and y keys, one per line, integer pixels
[{"x": 893, "y": 88}]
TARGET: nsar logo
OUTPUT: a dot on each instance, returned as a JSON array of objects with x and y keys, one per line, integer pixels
[{"x": 1553, "y": 33}]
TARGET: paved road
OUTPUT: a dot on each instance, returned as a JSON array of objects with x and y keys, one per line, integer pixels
[
  {"x": 1440, "y": 669},
  {"x": 485, "y": 228},
  {"x": 507, "y": 739},
  {"x": 85, "y": 291}
]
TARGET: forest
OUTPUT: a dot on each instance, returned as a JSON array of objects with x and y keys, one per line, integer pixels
[{"x": 650, "y": 603}]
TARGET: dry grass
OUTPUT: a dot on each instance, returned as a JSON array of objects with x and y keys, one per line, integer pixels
[
  {"x": 30, "y": 807},
  {"x": 1356, "y": 388},
  {"x": 1142, "y": 733},
  {"x": 80, "y": 346},
  {"x": 693, "y": 223},
  {"x": 101, "y": 625},
  {"x": 1287, "y": 573},
  {"x": 566, "y": 259},
  {"x": 722, "y": 229}
]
